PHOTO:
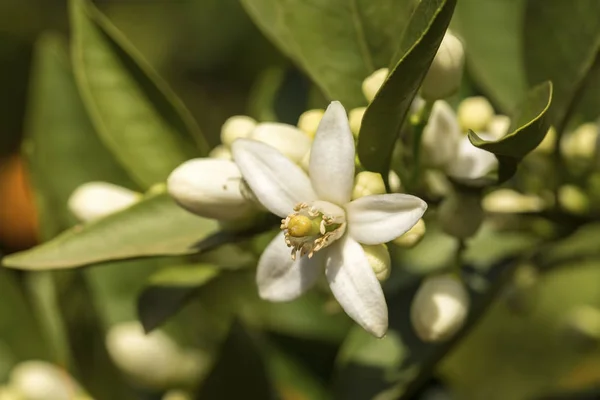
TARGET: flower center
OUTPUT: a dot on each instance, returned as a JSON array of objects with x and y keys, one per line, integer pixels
[{"x": 312, "y": 227}]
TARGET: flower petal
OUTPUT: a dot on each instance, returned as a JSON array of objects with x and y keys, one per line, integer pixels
[
  {"x": 471, "y": 162},
  {"x": 277, "y": 182},
  {"x": 381, "y": 218},
  {"x": 279, "y": 278},
  {"x": 441, "y": 135},
  {"x": 355, "y": 286},
  {"x": 331, "y": 166}
]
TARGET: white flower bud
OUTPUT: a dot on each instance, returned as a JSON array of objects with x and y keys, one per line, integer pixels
[
  {"x": 510, "y": 201},
  {"x": 581, "y": 143},
  {"x": 475, "y": 113},
  {"x": 177, "y": 394},
  {"x": 94, "y": 200},
  {"x": 445, "y": 73},
  {"x": 238, "y": 126},
  {"x": 471, "y": 163},
  {"x": 221, "y": 152},
  {"x": 441, "y": 135},
  {"x": 394, "y": 181},
  {"x": 379, "y": 259},
  {"x": 548, "y": 143},
  {"x": 573, "y": 199},
  {"x": 460, "y": 214},
  {"x": 355, "y": 117},
  {"x": 498, "y": 126},
  {"x": 439, "y": 308},
  {"x": 305, "y": 162},
  {"x": 209, "y": 188},
  {"x": 289, "y": 140},
  {"x": 9, "y": 393},
  {"x": 309, "y": 121},
  {"x": 412, "y": 237},
  {"x": 367, "y": 183},
  {"x": 373, "y": 82},
  {"x": 153, "y": 360},
  {"x": 39, "y": 380}
]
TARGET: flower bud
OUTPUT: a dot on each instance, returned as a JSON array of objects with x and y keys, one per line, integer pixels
[
  {"x": 471, "y": 163},
  {"x": 394, "y": 181},
  {"x": 445, "y": 73},
  {"x": 221, "y": 152},
  {"x": 460, "y": 214},
  {"x": 573, "y": 199},
  {"x": 475, "y": 113},
  {"x": 309, "y": 121},
  {"x": 582, "y": 326},
  {"x": 379, "y": 259},
  {"x": 412, "y": 237},
  {"x": 355, "y": 117},
  {"x": 441, "y": 135},
  {"x": 305, "y": 162},
  {"x": 9, "y": 393},
  {"x": 373, "y": 82},
  {"x": 439, "y": 308},
  {"x": 94, "y": 200},
  {"x": 153, "y": 360},
  {"x": 40, "y": 380},
  {"x": 209, "y": 188},
  {"x": 548, "y": 143},
  {"x": 498, "y": 126},
  {"x": 289, "y": 140},
  {"x": 581, "y": 143},
  {"x": 177, "y": 394},
  {"x": 510, "y": 201},
  {"x": 238, "y": 126},
  {"x": 367, "y": 183}
]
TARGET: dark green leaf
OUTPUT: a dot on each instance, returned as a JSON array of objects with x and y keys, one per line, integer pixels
[
  {"x": 338, "y": 43},
  {"x": 154, "y": 226},
  {"x": 562, "y": 40},
  {"x": 526, "y": 132},
  {"x": 385, "y": 115},
  {"x": 240, "y": 371},
  {"x": 137, "y": 116},
  {"x": 492, "y": 32}
]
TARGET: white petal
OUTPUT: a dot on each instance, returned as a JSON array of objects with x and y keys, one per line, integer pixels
[
  {"x": 331, "y": 166},
  {"x": 289, "y": 140},
  {"x": 279, "y": 278},
  {"x": 381, "y": 218},
  {"x": 277, "y": 182},
  {"x": 355, "y": 286},
  {"x": 471, "y": 162},
  {"x": 441, "y": 135}
]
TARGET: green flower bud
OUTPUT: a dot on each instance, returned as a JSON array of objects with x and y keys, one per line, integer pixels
[
  {"x": 573, "y": 199},
  {"x": 581, "y": 143},
  {"x": 238, "y": 126},
  {"x": 445, "y": 73},
  {"x": 461, "y": 214},
  {"x": 548, "y": 143},
  {"x": 582, "y": 326},
  {"x": 510, "y": 201},
  {"x": 367, "y": 183},
  {"x": 379, "y": 259},
  {"x": 412, "y": 237},
  {"x": 176, "y": 394},
  {"x": 309, "y": 121},
  {"x": 373, "y": 82},
  {"x": 475, "y": 113}
]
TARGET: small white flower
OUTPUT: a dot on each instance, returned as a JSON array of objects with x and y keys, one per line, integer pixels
[
  {"x": 373, "y": 82},
  {"x": 445, "y": 73},
  {"x": 94, "y": 200},
  {"x": 210, "y": 188},
  {"x": 288, "y": 139},
  {"x": 40, "y": 380},
  {"x": 238, "y": 126},
  {"x": 439, "y": 308},
  {"x": 322, "y": 224}
]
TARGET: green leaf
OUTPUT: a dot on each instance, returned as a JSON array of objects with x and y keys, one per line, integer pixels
[
  {"x": 138, "y": 117},
  {"x": 62, "y": 148},
  {"x": 338, "y": 43},
  {"x": 527, "y": 130},
  {"x": 581, "y": 245},
  {"x": 154, "y": 226},
  {"x": 562, "y": 40},
  {"x": 493, "y": 37},
  {"x": 385, "y": 115}
]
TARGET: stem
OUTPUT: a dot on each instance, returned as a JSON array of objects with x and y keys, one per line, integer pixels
[{"x": 418, "y": 126}]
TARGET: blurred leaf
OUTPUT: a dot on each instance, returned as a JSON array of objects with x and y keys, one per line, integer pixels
[
  {"x": 136, "y": 114},
  {"x": 154, "y": 226},
  {"x": 581, "y": 245},
  {"x": 240, "y": 371},
  {"x": 62, "y": 148},
  {"x": 261, "y": 102},
  {"x": 526, "y": 131},
  {"x": 385, "y": 115},
  {"x": 492, "y": 32},
  {"x": 562, "y": 40},
  {"x": 338, "y": 43}
]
